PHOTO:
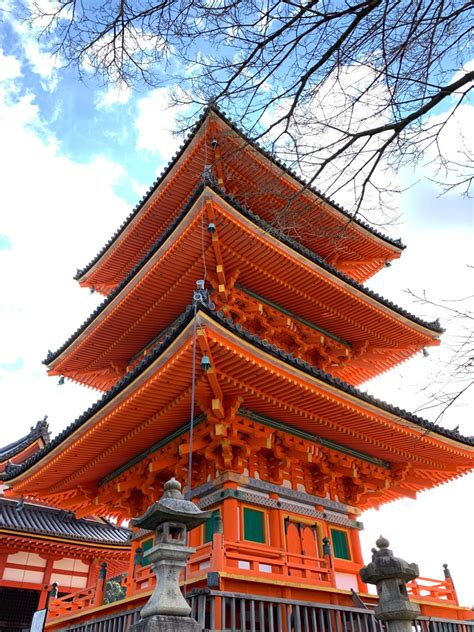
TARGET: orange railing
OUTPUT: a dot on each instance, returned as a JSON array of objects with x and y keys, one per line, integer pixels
[
  {"x": 266, "y": 561},
  {"x": 72, "y": 602},
  {"x": 433, "y": 589},
  {"x": 246, "y": 558}
]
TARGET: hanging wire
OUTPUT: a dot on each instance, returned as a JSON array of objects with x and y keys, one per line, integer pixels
[{"x": 193, "y": 394}]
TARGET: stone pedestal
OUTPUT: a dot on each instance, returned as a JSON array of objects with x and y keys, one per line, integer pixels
[
  {"x": 167, "y": 562},
  {"x": 166, "y": 623}
]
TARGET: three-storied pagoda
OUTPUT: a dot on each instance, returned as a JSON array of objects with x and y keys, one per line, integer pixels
[{"x": 285, "y": 449}]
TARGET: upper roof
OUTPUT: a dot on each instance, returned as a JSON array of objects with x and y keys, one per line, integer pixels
[
  {"x": 25, "y": 446},
  {"x": 259, "y": 181},
  {"x": 37, "y": 519},
  {"x": 159, "y": 287},
  {"x": 275, "y": 384}
]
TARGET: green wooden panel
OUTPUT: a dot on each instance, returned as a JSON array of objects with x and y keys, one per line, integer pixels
[
  {"x": 340, "y": 544},
  {"x": 210, "y": 526},
  {"x": 146, "y": 546},
  {"x": 254, "y": 525}
]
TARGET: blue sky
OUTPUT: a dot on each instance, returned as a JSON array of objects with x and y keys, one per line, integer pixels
[{"x": 76, "y": 158}]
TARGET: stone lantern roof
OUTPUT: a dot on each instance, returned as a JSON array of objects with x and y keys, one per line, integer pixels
[{"x": 172, "y": 507}]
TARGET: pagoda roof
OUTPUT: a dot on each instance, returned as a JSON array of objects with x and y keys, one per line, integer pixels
[
  {"x": 272, "y": 383},
  {"x": 22, "y": 448},
  {"x": 28, "y": 518},
  {"x": 382, "y": 246},
  {"x": 342, "y": 284}
]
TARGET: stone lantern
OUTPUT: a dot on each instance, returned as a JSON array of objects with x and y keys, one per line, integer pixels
[
  {"x": 390, "y": 574},
  {"x": 170, "y": 518}
]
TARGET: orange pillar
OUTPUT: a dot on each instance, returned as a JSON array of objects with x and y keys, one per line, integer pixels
[
  {"x": 357, "y": 553},
  {"x": 230, "y": 516},
  {"x": 100, "y": 588}
]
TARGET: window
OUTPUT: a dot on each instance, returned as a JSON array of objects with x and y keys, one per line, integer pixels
[
  {"x": 254, "y": 525},
  {"x": 146, "y": 546},
  {"x": 340, "y": 544},
  {"x": 210, "y": 526}
]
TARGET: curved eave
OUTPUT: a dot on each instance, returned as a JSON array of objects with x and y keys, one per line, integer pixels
[
  {"x": 161, "y": 285},
  {"x": 119, "y": 257},
  {"x": 73, "y": 542},
  {"x": 153, "y": 400},
  {"x": 21, "y": 448}
]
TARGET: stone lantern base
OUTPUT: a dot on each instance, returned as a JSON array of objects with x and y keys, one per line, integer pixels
[{"x": 166, "y": 623}]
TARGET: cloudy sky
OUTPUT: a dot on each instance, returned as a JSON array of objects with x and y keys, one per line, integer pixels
[{"x": 75, "y": 158}]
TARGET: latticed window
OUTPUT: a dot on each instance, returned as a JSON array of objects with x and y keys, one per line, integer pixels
[
  {"x": 254, "y": 525},
  {"x": 340, "y": 544},
  {"x": 210, "y": 526},
  {"x": 146, "y": 546}
]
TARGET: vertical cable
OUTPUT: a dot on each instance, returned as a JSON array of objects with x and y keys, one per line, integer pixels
[{"x": 193, "y": 391}]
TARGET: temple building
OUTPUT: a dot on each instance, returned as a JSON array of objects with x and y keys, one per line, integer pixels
[
  {"x": 230, "y": 347},
  {"x": 42, "y": 545}
]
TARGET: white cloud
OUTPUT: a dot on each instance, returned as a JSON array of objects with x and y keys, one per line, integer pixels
[
  {"x": 113, "y": 96},
  {"x": 156, "y": 122},
  {"x": 56, "y": 214},
  {"x": 35, "y": 53},
  {"x": 10, "y": 67}
]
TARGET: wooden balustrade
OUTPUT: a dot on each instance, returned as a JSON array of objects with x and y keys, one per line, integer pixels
[
  {"x": 434, "y": 589},
  {"x": 72, "y": 602},
  {"x": 250, "y": 559},
  {"x": 231, "y": 612}
]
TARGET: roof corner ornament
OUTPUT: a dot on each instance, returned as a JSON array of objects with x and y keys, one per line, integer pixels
[
  {"x": 170, "y": 518},
  {"x": 390, "y": 574}
]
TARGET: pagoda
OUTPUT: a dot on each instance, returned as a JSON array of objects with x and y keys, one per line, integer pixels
[
  {"x": 42, "y": 545},
  {"x": 230, "y": 346}
]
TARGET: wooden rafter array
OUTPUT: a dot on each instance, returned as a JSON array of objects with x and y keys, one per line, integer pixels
[
  {"x": 253, "y": 179},
  {"x": 157, "y": 402},
  {"x": 378, "y": 336}
]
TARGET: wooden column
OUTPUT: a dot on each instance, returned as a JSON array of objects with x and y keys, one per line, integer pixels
[
  {"x": 230, "y": 516},
  {"x": 357, "y": 553},
  {"x": 100, "y": 588}
]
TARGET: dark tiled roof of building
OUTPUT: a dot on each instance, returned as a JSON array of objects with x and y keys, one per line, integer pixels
[
  {"x": 41, "y": 430},
  {"x": 289, "y": 241},
  {"x": 178, "y": 325},
  {"x": 29, "y": 518},
  {"x": 166, "y": 170}
]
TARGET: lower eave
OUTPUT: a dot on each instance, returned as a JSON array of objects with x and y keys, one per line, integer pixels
[
  {"x": 244, "y": 363},
  {"x": 37, "y": 536}
]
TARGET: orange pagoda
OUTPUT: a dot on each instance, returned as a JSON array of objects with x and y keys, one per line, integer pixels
[
  {"x": 230, "y": 346},
  {"x": 41, "y": 545}
]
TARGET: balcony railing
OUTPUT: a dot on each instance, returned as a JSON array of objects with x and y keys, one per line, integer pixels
[
  {"x": 253, "y": 560},
  {"x": 219, "y": 611},
  {"x": 72, "y": 602},
  {"x": 425, "y": 588}
]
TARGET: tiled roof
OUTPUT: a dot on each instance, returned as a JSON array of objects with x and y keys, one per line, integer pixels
[
  {"x": 272, "y": 349},
  {"x": 41, "y": 430},
  {"x": 166, "y": 170},
  {"x": 29, "y": 518},
  {"x": 292, "y": 243}
]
